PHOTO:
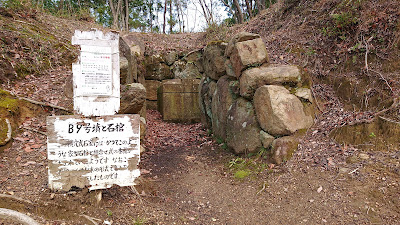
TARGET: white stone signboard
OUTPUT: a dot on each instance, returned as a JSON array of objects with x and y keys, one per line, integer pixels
[
  {"x": 95, "y": 152},
  {"x": 96, "y": 75}
]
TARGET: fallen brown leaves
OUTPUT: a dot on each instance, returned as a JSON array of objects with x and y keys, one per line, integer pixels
[{"x": 161, "y": 134}]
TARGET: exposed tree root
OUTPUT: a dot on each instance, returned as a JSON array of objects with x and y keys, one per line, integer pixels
[
  {"x": 33, "y": 130},
  {"x": 91, "y": 219},
  {"x": 15, "y": 198},
  {"x": 45, "y": 104},
  {"x": 15, "y": 216}
]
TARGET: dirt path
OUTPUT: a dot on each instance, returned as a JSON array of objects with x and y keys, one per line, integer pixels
[{"x": 188, "y": 178}]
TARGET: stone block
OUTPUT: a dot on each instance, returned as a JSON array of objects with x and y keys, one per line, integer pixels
[
  {"x": 243, "y": 131},
  {"x": 214, "y": 60},
  {"x": 195, "y": 57},
  {"x": 133, "y": 98},
  {"x": 279, "y": 112},
  {"x": 152, "y": 105},
  {"x": 151, "y": 89},
  {"x": 123, "y": 69},
  {"x": 266, "y": 139},
  {"x": 156, "y": 69},
  {"x": 222, "y": 101},
  {"x": 206, "y": 91},
  {"x": 253, "y": 78},
  {"x": 248, "y": 53},
  {"x": 170, "y": 58},
  {"x": 179, "y": 101},
  {"x": 242, "y": 36}
]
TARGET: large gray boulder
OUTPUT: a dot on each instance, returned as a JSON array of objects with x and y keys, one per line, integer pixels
[
  {"x": 156, "y": 69},
  {"x": 206, "y": 91},
  {"x": 214, "y": 60},
  {"x": 279, "y": 112},
  {"x": 177, "y": 69},
  {"x": 266, "y": 139},
  {"x": 170, "y": 58},
  {"x": 132, "y": 47},
  {"x": 191, "y": 71},
  {"x": 123, "y": 69},
  {"x": 133, "y": 97},
  {"x": 243, "y": 131},
  {"x": 195, "y": 57},
  {"x": 247, "y": 54},
  {"x": 254, "y": 78},
  {"x": 242, "y": 36},
  {"x": 221, "y": 102}
]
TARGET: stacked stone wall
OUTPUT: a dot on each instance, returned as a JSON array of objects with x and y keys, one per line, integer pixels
[{"x": 252, "y": 104}]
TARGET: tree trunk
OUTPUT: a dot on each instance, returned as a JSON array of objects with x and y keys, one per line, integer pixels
[
  {"x": 151, "y": 15},
  {"x": 170, "y": 17},
  {"x": 249, "y": 9},
  {"x": 260, "y": 5},
  {"x": 179, "y": 16},
  {"x": 231, "y": 11},
  {"x": 61, "y": 5},
  {"x": 127, "y": 15},
  {"x": 115, "y": 13},
  {"x": 238, "y": 10},
  {"x": 205, "y": 13},
  {"x": 165, "y": 12}
]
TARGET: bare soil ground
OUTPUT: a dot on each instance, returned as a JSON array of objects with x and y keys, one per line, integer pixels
[{"x": 187, "y": 178}]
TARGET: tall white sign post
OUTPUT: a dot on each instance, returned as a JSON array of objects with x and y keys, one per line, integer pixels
[{"x": 95, "y": 148}]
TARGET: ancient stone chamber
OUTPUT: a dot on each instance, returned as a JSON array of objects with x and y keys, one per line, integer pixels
[{"x": 231, "y": 88}]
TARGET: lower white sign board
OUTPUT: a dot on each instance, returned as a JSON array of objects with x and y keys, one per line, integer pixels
[{"x": 96, "y": 152}]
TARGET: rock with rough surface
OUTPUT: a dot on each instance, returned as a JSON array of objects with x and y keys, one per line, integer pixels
[
  {"x": 243, "y": 131},
  {"x": 177, "y": 69},
  {"x": 279, "y": 112},
  {"x": 254, "y": 78},
  {"x": 242, "y": 36},
  {"x": 133, "y": 97},
  {"x": 214, "y": 60},
  {"x": 206, "y": 91},
  {"x": 195, "y": 57},
  {"x": 156, "y": 69},
  {"x": 266, "y": 139},
  {"x": 283, "y": 148},
  {"x": 170, "y": 58},
  {"x": 123, "y": 69},
  {"x": 191, "y": 71},
  {"x": 151, "y": 89},
  {"x": 222, "y": 100},
  {"x": 5, "y": 131},
  {"x": 247, "y": 54},
  {"x": 132, "y": 47},
  {"x": 304, "y": 93}
]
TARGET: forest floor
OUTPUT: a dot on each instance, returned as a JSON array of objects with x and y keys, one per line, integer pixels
[{"x": 188, "y": 178}]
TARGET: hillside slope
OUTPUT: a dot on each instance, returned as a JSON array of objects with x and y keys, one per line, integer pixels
[
  {"x": 33, "y": 42},
  {"x": 352, "y": 45}
]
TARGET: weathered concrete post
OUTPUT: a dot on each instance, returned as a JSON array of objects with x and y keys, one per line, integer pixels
[{"x": 95, "y": 148}]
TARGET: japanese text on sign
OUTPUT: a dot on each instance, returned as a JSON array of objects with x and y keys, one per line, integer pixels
[{"x": 101, "y": 152}]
